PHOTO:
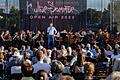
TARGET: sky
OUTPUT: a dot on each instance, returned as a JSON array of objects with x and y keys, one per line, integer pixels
[{"x": 96, "y": 4}]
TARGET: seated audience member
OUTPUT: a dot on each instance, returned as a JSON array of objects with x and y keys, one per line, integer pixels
[
  {"x": 93, "y": 50},
  {"x": 22, "y": 51},
  {"x": 56, "y": 69},
  {"x": 69, "y": 56},
  {"x": 102, "y": 57},
  {"x": 40, "y": 65},
  {"x": 12, "y": 61},
  {"x": 117, "y": 46},
  {"x": 2, "y": 64},
  {"x": 66, "y": 70},
  {"x": 48, "y": 57},
  {"x": 88, "y": 49},
  {"x": 74, "y": 59},
  {"x": 115, "y": 55},
  {"x": 89, "y": 70},
  {"x": 54, "y": 55},
  {"x": 66, "y": 78},
  {"x": 42, "y": 75},
  {"x": 98, "y": 51},
  {"x": 114, "y": 76},
  {"x": 116, "y": 66},
  {"x": 34, "y": 59},
  {"x": 29, "y": 51},
  {"x": 16, "y": 71},
  {"x": 27, "y": 70},
  {"x": 109, "y": 51},
  {"x": 16, "y": 55},
  {"x": 89, "y": 58},
  {"x": 63, "y": 51},
  {"x": 26, "y": 56},
  {"x": 2, "y": 57},
  {"x": 78, "y": 67},
  {"x": 69, "y": 51}
]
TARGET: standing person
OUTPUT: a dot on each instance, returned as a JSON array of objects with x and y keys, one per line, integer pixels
[{"x": 51, "y": 30}]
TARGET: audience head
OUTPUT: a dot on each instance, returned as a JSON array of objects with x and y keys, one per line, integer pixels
[
  {"x": 82, "y": 46},
  {"x": 49, "y": 52},
  {"x": 42, "y": 75},
  {"x": 2, "y": 48},
  {"x": 80, "y": 60},
  {"x": 79, "y": 49},
  {"x": 23, "y": 47},
  {"x": 62, "y": 47},
  {"x": 114, "y": 76},
  {"x": 28, "y": 47},
  {"x": 89, "y": 55},
  {"x": 54, "y": 54},
  {"x": 88, "y": 46},
  {"x": 69, "y": 50},
  {"x": 27, "y": 68},
  {"x": 40, "y": 47},
  {"x": 116, "y": 51},
  {"x": 40, "y": 55},
  {"x": 57, "y": 67},
  {"x": 44, "y": 51},
  {"x": 26, "y": 55},
  {"x": 66, "y": 78},
  {"x": 117, "y": 46},
  {"x": 89, "y": 69}
]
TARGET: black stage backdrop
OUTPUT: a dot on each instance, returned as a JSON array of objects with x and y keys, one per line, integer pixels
[{"x": 65, "y": 14}]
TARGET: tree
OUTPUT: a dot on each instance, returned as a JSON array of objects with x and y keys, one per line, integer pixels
[
  {"x": 106, "y": 17},
  {"x": 116, "y": 12},
  {"x": 93, "y": 16},
  {"x": 2, "y": 19},
  {"x": 1, "y": 11},
  {"x": 14, "y": 16}
]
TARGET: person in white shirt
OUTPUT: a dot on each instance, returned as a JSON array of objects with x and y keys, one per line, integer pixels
[
  {"x": 40, "y": 65},
  {"x": 51, "y": 30}
]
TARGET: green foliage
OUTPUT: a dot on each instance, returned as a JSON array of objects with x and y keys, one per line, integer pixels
[
  {"x": 1, "y": 11},
  {"x": 14, "y": 16},
  {"x": 93, "y": 15},
  {"x": 106, "y": 17},
  {"x": 116, "y": 11}
]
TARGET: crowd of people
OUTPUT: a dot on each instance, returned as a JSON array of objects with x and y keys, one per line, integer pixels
[{"x": 82, "y": 55}]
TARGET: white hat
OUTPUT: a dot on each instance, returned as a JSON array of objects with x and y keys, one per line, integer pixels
[
  {"x": 27, "y": 62},
  {"x": 17, "y": 54},
  {"x": 117, "y": 46},
  {"x": 49, "y": 52},
  {"x": 88, "y": 45},
  {"x": 40, "y": 47}
]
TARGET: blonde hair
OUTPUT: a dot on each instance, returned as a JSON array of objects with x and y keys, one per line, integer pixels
[
  {"x": 89, "y": 68},
  {"x": 1, "y": 55},
  {"x": 66, "y": 78},
  {"x": 57, "y": 67},
  {"x": 114, "y": 76}
]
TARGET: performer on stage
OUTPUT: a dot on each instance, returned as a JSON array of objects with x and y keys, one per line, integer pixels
[{"x": 51, "y": 30}]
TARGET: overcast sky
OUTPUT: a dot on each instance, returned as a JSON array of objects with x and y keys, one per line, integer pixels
[{"x": 96, "y": 4}]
